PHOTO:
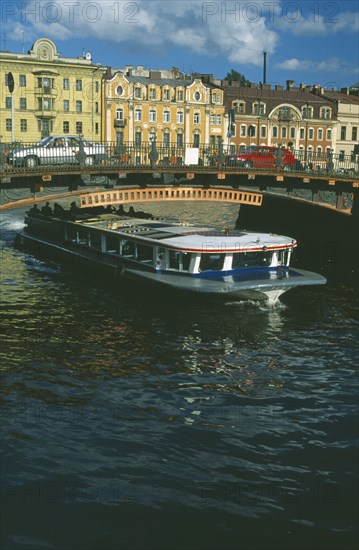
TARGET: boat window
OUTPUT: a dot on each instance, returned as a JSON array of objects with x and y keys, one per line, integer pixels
[
  {"x": 248, "y": 259},
  {"x": 282, "y": 257},
  {"x": 127, "y": 249},
  {"x": 71, "y": 233},
  {"x": 83, "y": 236},
  {"x": 179, "y": 260},
  {"x": 112, "y": 245},
  {"x": 211, "y": 262},
  {"x": 186, "y": 260},
  {"x": 144, "y": 253},
  {"x": 95, "y": 240}
]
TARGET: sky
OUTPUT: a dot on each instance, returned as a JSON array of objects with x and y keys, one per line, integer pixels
[{"x": 309, "y": 41}]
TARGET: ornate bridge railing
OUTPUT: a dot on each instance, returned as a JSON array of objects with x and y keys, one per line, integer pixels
[{"x": 26, "y": 159}]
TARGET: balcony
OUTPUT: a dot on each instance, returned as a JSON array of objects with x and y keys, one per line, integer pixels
[{"x": 120, "y": 122}]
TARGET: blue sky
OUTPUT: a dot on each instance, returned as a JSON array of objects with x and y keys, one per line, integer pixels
[{"x": 309, "y": 41}]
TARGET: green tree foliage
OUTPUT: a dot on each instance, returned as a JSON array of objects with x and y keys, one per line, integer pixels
[{"x": 235, "y": 76}]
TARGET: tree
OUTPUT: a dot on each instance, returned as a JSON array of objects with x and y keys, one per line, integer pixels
[{"x": 235, "y": 76}]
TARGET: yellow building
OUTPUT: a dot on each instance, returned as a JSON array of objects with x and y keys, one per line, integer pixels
[
  {"x": 173, "y": 112},
  {"x": 52, "y": 94}
]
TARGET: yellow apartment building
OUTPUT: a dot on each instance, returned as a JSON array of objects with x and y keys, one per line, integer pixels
[
  {"x": 173, "y": 112},
  {"x": 52, "y": 94}
]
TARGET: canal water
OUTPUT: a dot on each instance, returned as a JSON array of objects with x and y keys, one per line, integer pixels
[{"x": 134, "y": 422}]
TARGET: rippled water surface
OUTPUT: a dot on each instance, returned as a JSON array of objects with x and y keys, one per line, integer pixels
[{"x": 134, "y": 422}]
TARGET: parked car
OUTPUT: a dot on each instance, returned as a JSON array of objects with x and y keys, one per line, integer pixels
[
  {"x": 52, "y": 150},
  {"x": 263, "y": 157}
]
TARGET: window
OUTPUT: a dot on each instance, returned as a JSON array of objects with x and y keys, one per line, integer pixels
[
  {"x": 196, "y": 140},
  {"x": 166, "y": 95},
  {"x": 78, "y": 106},
  {"x": 119, "y": 113},
  {"x": 152, "y": 115},
  {"x": 96, "y": 107},
  {"x": 196, "y": 118},
  {"x": 138, "y": 138},
  {"x": 79, "y": 127},
  {"x": 343, "y": 132},
  {"x": 275, "y": 131},
  {"x": 46, "y": 83},
  {"x": 179, "y": 140},
  {"x": 211, "y": 262},
  {"x": 307, "y": 112},
  {"x": 216, "y": 98},
  {"x": 320, "y": 134},
  {"x": 341, "y": 155},
  {"x": 301, "y": 133},
  {"x": 8, "y": 102},
  {"x": 138, "y": 115},
  {"x": 311, "y": 133},
  {"x": 243, "y": 131},
  {"x": 152, "y": 93},
  {"x": 197, "y": 96},
  {"x": 240, "y": 107},
  {"x": 22, "y": 80},
  {"x": 166, "y": 139},
  {"x": 179, "y": 117},
  {"x": 8, "y": 125},
  {"x": 284, "y": 132},
  {"x": 292, "y": 132},
  {"x": 137, "y": 93},
  {"x": 263, "y": 131},
  {"x": 152, "y": 136},
  {"x": 23, "y": 125},
  {"x": 166, "y": 116},
  {"x": 354, "y": 133},
  {"x": 219, "y": 120},
  {"x": 96, "y": 128},
  {"x": 66, "y": 84},
  {"x": 22, "y": 103},
  {"x": 319, "y": 153},
  {"x": 213, "y": 119},
  {"x": 97, "y": 86},
  {"x": 66, "y": 127},
  {"x": 329, "y": 134},
  {"x": 180, "y": 95},
  {"x": 325, "y": 112},
  {"x": 78, "y": 85},
  {"x": 259, "y": 108},
  {"x": 66, "y": 105}
]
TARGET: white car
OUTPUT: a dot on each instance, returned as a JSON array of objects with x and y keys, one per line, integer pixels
[{"x": 58, "y": 150}]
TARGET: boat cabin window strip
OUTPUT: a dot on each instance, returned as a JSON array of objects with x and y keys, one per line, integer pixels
[
  {"x": 251, "y": 259},
  {"x": 212, "y": 262}
]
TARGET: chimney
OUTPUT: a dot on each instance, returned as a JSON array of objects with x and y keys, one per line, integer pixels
[
  {"x": 345, "y": 91},
  {"x": 290, "y": 84}
]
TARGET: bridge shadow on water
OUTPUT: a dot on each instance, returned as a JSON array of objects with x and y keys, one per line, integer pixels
[{"x": 327, "y": 239}]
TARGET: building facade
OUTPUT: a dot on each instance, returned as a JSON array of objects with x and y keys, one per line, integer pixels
[
  {"x": 52, "y": 95},
  {"x": 289, "y": 117},
  {"x": 347, "y": 108},
  {"x": 170, "y": 111}
]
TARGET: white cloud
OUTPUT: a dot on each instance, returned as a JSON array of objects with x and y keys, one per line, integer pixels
[
  {"x": 308, "y": 65},
  {"x": 217, "y": 28}
]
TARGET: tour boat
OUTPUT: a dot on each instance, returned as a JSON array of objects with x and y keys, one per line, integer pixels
[{"x": 205, "y": 261}]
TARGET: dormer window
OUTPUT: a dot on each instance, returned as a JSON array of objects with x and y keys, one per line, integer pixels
[
  {"x": 325, "y": 112},
  {"x": 258, "y": 108},
  {"x": 239, "y": 107},
  {"x": 307, "y": 111}
]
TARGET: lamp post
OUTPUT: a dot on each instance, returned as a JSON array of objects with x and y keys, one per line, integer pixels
[{"x": 11, "y": 86}]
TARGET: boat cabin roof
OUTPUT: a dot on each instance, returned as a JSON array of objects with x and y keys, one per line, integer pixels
[{"x": 184, "y": 237}]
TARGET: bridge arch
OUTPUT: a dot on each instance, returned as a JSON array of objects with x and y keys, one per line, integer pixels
[{"x": 159, "y": 194}]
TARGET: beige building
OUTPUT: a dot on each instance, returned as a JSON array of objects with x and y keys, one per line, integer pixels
[
  {"x": 174, "y": 112},
  {"x": 52, "y": 94},
  {"x": 347, "y": 123}
]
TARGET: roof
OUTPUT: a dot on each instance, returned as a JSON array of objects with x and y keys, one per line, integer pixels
[{"x": 145, "y": 80}]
